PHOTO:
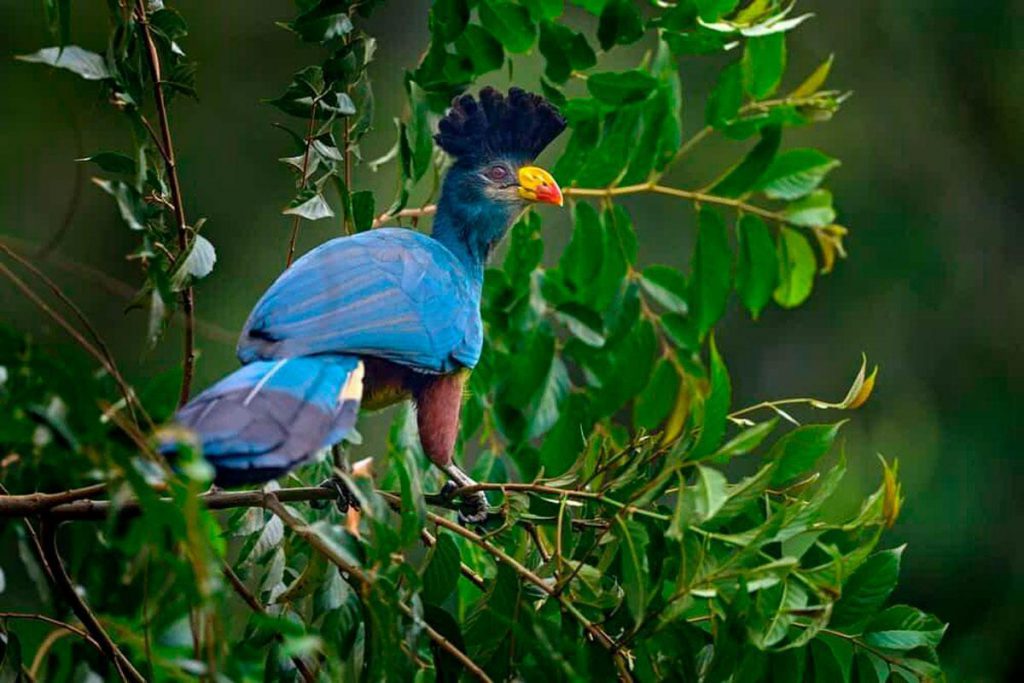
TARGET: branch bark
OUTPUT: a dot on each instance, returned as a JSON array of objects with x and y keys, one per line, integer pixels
[{"x": 167, "y": 151}]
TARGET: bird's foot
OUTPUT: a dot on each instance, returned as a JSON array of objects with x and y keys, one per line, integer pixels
[
  {"x": 474, "y": 507},
  {"x": 345, "y": 498}
]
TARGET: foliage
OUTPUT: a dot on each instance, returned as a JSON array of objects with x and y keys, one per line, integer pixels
[{"x": 642, "y": 524}]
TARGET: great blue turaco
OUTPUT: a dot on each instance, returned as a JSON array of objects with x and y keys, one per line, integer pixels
[{"x": 381, "y": 316}]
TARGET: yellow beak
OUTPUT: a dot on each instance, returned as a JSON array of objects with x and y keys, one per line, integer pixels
[{"x": 537, "y": 185}]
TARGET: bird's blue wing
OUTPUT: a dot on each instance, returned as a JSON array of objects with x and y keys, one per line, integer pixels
[{"x": 388, "y": 293}]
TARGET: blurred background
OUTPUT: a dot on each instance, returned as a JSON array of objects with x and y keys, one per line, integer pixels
[{"x": 931, "y": 145}]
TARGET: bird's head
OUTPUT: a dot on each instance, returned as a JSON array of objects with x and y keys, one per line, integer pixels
[{"x": 494, "y": 141}]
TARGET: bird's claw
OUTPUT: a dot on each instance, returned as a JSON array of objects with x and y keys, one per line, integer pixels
[
  {"x": 345, "y": 498},
  {"x": 474, "y": 507}
]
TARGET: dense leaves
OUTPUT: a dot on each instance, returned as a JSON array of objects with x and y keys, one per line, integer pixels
[{"x": 657, "y": 529}]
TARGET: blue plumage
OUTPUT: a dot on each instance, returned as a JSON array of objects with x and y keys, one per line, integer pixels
[
  {"x": 390, "y": 293},
  {"x": 267, "y": 417}
]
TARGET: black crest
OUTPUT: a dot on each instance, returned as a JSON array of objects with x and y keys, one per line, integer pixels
[{"x": 520, "y": 125}]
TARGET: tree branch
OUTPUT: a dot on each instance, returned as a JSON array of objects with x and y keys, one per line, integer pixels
[
  {"x": 167, "y": 151},
  {"x": 272, "y": 503},
  {"x": 524, "y": 572},
  {"x": 256, "y": 606},
  {"x": 64, "y": 586}
]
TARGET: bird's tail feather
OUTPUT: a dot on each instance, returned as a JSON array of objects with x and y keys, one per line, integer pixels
[{"x": 270, "y": 416}]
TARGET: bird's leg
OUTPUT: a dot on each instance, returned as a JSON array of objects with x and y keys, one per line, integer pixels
[
  {"x": 345, "y": 499},
  {"x": 474, "y": 505}
]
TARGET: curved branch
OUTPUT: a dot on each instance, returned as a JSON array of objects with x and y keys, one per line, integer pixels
[
  {"x": 63, "y": 584},
  {"x": 129, "y": 396}
]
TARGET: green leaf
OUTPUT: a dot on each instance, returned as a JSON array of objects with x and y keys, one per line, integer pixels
[
  {"x": 362, "y": 210},
  {"x": 833, "y": 659},
  {"x": 763, "y": 63},
  {"x": 716, "y": 408},
  {"x": 202, "y": 256},
  {"x": 747, "y": 440},
  {"x": 565, "y": 51},
  {"x": 621, "y": 87},
  {"x": 654, "y": 403},
  {"x": 442, "y": 572},
  {"x": 323, "y": 22},
  {"x": 795, "y": 173},
  {"x": 711, "y": 273},
  {"x": 633, "y": 541},
  {"x": 709, "y": 493},
  {"x": 813, "y": 211},
  {"x": 509, "y": 23},
  {"x": 112, "y": 162},
  {"x": 134, "y": 211},
  {"x": 742, "y": 178},
  {"x": 725, "y": 99},
  {"x": 448, "y": 18},
  {"x": 901, "y": 627},
  {"x": 798, "y": 452},
  {"x": 757, "y": 272},
  {"x": 484, "y": 52},
  {"x": 870, "y": 668},
  {"x": 309, "y": 204},
  {"x": 796, "y": 269},
  {"x": 542, "y": 10},
  {"x": 88, "y": 65},
  {"x": 814, "y": 82},
  {"x": 665, "y": 285},
  {"x": 867, "y": 589},
  {"x": 620, "y": 24}
]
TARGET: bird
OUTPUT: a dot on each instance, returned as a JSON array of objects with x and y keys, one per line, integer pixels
[{"x": 371, "y": 319}]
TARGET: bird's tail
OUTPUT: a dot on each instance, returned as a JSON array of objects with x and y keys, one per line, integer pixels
[{"x": 270, "y": 416}]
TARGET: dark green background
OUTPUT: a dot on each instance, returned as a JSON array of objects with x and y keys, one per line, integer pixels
[{"x": 931, "y": 145}]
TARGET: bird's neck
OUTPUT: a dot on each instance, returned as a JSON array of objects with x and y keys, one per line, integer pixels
[{"x": 470, "y": 230}]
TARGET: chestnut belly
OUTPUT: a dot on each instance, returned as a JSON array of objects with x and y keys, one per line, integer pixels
[{"x": 438, "y": 402}]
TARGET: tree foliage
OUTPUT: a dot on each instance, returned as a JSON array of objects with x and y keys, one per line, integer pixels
[{"x": 643, "y": 524}]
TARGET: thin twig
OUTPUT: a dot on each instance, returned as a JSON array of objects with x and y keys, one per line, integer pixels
[
  {"x": 68, "y": 327},
  {"x": 256, "y": 606},
  {"x": 187, "y": 296},
  {"x": 302, "y": 183},
  {"x": 524, "y": 572},
  {"x": 76, "y": 189},
  {"x": 382, "y": 219},
  {"x": 272, "y": 503},
  {"x": 129, "y": 396},
  {"x": 117, "y": 287},
  {"x": 64, "y": 586},
  {"x": 53, "y": 622}
]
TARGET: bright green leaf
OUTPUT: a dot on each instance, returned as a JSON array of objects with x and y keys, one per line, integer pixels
[
  {"x": 797, "y": 266},
  {"x": 757, "y": 272}
]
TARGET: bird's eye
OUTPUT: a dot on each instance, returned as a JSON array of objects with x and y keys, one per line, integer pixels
[{"x": 497, "y": 173}]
